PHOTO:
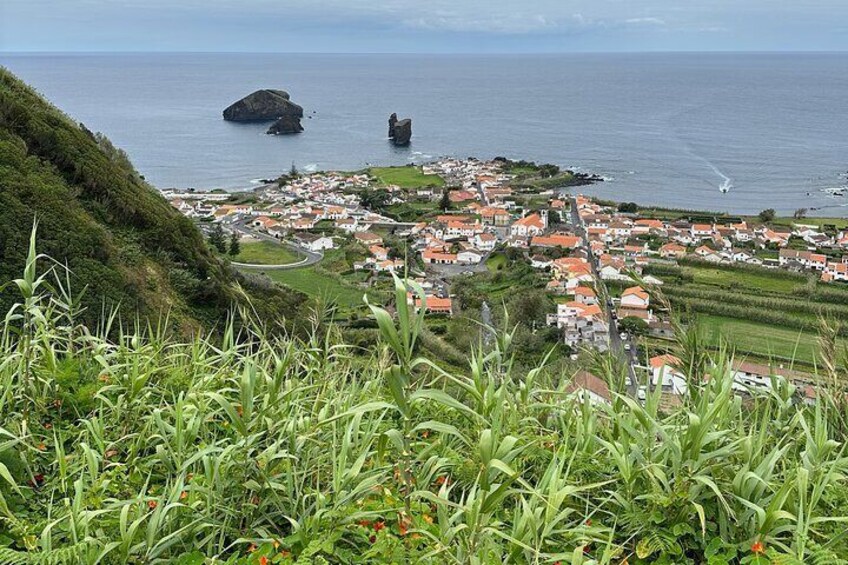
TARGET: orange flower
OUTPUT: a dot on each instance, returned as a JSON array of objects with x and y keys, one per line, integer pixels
[
  {"x": 379, "y": 526},
  {"x": 183, "y": 495},
  {"x": 42, "y": 447},
  {"x": 428, "y": 518},
  {"x": 588, "y": 521},
  {"x": 402, "y": 528},
  {"x": 758, "y": 547},
  {"x": 263, "y": 560},
  {"x": 152, "y": 504},
  {"x": 364, "y": 523}
]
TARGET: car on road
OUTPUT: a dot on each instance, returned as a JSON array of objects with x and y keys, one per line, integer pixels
[{"x": 627, "y": 347}]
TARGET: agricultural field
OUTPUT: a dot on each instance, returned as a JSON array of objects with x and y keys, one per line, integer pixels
[
  {"x": 266, "y": 253},
  {"x": 766, "y": 313},
  {"x": 765, "y": 341},
  {"x": 405, "y": 177}
]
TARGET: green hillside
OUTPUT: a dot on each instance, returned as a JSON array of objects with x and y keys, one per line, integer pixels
[{"x": 123, "y": 243}]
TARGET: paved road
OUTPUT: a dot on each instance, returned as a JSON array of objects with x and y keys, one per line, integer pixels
[
  {"x": 310, "y": 257},
  {"x": 616, "y": 343}
]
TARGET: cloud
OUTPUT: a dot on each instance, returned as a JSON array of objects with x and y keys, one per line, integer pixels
[{"x": 645, "y": 21}]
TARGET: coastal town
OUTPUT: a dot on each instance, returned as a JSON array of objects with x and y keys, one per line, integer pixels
[{"x": 602, "y": 265}]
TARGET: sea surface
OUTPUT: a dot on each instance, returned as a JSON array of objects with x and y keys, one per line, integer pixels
[{"x": 666, "y": 129}]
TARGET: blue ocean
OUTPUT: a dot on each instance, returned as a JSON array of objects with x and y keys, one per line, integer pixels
[{"x": 667, "y": 129}]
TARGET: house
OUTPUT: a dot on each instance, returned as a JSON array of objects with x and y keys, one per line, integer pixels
[
  {"x": 494, "y": 216},
  {"x": 388, "y": 265},
  {"x": 664, "y": 373},
  {"x": 672, "y": 251},
  {"x": 559, "y": 239},
  {"x": 349, "y": 225},
  {"x": 433, "y": 257},
  {"x": 701, "y": 231},
  {"x": 708, "y": 254},
  {"x": 585, "y": 295},
  {"x": 433, "y": 304},
  {"x": 379, "y": 252},
  {"x": 314, "y": 241},
  {"x": 484, "y": 241},
  {"x": 808, "y": 259},
  {"x": 835, "y": 272},
  {"x": 589, "y": 387},
  {"x": 530, "y": 225},
  {"x": 368, "y": 238},
  {"x": 469, "y": 257},
  {"x": 582, "y": 325},
  {"x": 635, "y": 297},
  {"x": 539, "y": 262}
]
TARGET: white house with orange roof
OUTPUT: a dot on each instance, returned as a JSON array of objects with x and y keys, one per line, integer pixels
[
  {"x": 582, "y": 325},
  {"x": 664, "y": 373},
  {"x": 635, "y": 297},
  {"x": 529, "y": 225}
]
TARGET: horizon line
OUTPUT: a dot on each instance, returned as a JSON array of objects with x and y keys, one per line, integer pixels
[{"x": 436, "y": 53}]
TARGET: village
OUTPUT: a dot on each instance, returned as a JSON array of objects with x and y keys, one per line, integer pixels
[{"x": 601, "y": 264}]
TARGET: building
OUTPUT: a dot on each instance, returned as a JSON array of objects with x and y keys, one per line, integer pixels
[
  {"x": 314, "y": 241},
  {"x": 368, "y": 238},
  {"x": 635, "y": 297},
  {"x": 529, "y": 225},
  {"x": 588, "y": 387},
  {"x": 582, "y": 325}
]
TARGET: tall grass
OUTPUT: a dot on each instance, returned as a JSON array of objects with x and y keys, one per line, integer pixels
[{"x": 128, "y": 445}]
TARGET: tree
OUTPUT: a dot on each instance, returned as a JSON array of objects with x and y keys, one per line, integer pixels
[
  {"x": 767, "y": 215},
  {"x": 628, "y": 207},
  {"x": 235, "y": 246},
  {"x": 293, "y": 173},
  {"x": 800, "y": 213},
  {"x": 374, "y": 199},
  {"x": 216, "y": 239},
  {"x": 444, "y": 203},
  {"x": 633, "y": 325}
]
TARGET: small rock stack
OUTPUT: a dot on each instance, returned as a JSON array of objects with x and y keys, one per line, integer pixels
[{"x": 400, "y": 131}]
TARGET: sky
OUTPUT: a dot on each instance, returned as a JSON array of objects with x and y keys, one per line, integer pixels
[{"x": 423, "y": 26}]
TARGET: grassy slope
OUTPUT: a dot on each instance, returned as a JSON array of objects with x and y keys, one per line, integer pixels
[
  {"x": 124, "y": 244},
  {"x": 266, "y": 253},
  {"x": 405, "y": 177}
]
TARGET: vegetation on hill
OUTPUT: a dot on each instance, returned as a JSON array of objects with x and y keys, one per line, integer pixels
[
  {"x": 122, "y": 242},
  {"x": 253, "y": 449}
]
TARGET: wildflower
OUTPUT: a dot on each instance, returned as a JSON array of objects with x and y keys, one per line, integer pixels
[
  {"x": 372, "y": 539},
  {"x": 379, "y": 526},
  {"x": 758, "y": 547},
  {"x": 252, "y": 548},
  {"x": 104, "y": 377},
  {"x": 364, "y": 523},
  {"x": 48, "y": 426},
  {"x": 425, "y": 434},
  {"x": 263, "y": 560},
  {"x": 276, "y": 544},
  {"x": 427, "y": 518},
  {"x": 588, "y": 521},
  {"x": 152, "y": 504},
  {"x": 42, "y": 447},
  {"x": 402, "y": 528},
  {"x": 183, "y": 495}
]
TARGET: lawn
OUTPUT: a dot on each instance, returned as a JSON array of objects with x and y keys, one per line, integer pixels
[
  {"x": 266, "y": 253},
  {"x": 405, "y": 177},
  {"x": 315, "y": 282},
  {"x": 496, "y": 262},
  {"x": 762, "y": 340}
]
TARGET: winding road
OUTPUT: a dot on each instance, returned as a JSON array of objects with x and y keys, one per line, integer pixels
[{"x": 310, "y": 257}]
